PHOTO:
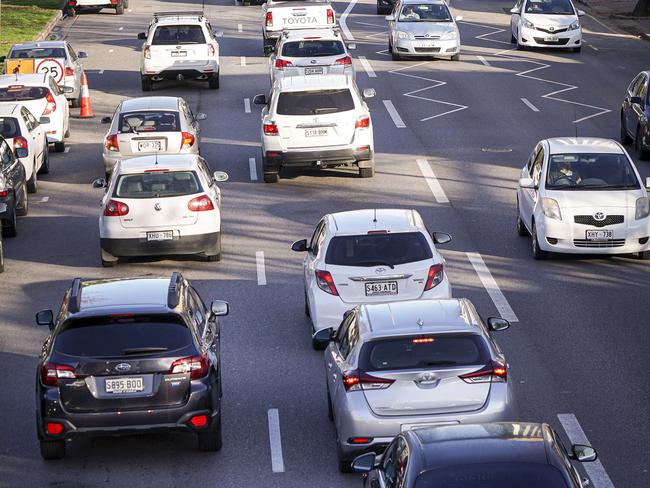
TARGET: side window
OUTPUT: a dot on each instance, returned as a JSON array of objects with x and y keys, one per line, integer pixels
[
  {"x": 351, "y": 337},
  {"x": 561, "y": 452},
  {"x": 537, "y": 166},
  {"x": 203, "y": 167},
  {"x": 197, "y": 310},
  {"x": 342, "y": 335},
  {"x": 35, "y": 123},
  {"x": 73, "y": 55},
  {"x": 316, "y": 237},
  {"x": 28, "y": 122},
  {"x": 531, "y": 159},
  {"x": 643, "y": 92},
  {"x": 634, "y": 85}
]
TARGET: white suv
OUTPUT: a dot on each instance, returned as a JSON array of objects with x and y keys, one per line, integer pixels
[
  {"x": 178, "y": 46},
  {"x": 317, "y": 121}
]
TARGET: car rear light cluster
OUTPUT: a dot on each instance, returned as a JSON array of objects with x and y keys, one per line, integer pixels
[
  {"x": 111, "y": 144},
  {"x": 271, "y": 129},
  {"x": 200, "y": 204},
  {"x": 282, "y": 63},
  {"x": 269, "y": 19},
  {"x": 325, "y": 282},
  {"x": 20, "y": 143},
  {"x": 345, "y": 61},
  {"x": 51, "y": 373},
  {"x": 360, "y": 380},
  {"x": 50, "y": 107},
  {"x": 363, "y": 123},
  {"x": 3, "y": 193},
  {"x": 69, "y": 72},
  {"x": 187, "y": 140},
  {"x": 494, "y": 371},
  {"x": 197, "y": 366},
  {"x": 435, "y": 276},
  {"x": 147, "y": 51},
  {"x": 116, "y": 209},
  {"x": 330, "y": 16},
  {"x": 53, "y": 428},
  {"x": 212, "y": 50}
]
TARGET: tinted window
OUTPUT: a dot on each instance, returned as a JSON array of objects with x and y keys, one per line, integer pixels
[
  {"x": 19, "y": 93},
  {"x": 378, "y": 249},
  {"x": 9, "y": 127},
  {"x": 425, "y": 13},
  {"x": 557, "y": 7},
  {"x": 111, "y": 337},
  {"x": 315, "y": 102},
  {"x": 313, "y": 48},
  {"x": 165, "y": 184},
  {"x": 149, "y": 122},
  {"x": 590, "y": 172},
  {"x": 178, "y": 34},
  {"x": 38, "y": 53},
  {"x": 419, "y": 352}
]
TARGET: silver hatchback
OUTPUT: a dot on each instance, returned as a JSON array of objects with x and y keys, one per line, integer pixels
[{"x": 392, "y": 367}]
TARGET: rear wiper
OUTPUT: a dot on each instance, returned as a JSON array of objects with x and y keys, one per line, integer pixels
[
  {"x": 375, "y": 262},
  {"x": 143, "y": 350}
]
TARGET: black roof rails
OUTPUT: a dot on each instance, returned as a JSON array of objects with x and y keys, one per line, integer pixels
[
  {"x": 173, "y": 293},
  {"x": 74, "y": 304}
]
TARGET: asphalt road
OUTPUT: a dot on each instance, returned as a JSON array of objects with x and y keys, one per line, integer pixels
[{"x": 579, "y": 345}]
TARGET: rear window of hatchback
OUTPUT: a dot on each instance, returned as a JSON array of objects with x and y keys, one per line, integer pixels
[
  {"x": 378, "y": 249},
  {"x": 313, "y": 48},
  {"x": 20, "y": 93}
]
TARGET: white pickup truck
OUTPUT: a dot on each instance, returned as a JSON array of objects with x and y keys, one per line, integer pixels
[{"x": 294, "y": 14}]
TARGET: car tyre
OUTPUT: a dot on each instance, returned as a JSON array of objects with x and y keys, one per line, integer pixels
[
  {"x": 147, "y": 84},
  {"x": 390, "y": 47},
  {"x": 119, "y": 9},
  {"x": 211, "y": 441},
  {"x": 513, "y": 39},
  {"x": 76, "y": 102},
  {"x": 625, "y": 137},
  {"x": 24, "y": 208},
  {"x": 520, "y": 47},
  {"x": 367, "y": 172},
  {"x": 345, "y": 465},
  {"x": 214, "y": 254},
  {"x": 330, "y": 410},
  {"x": 108, "y": 260},
  {"x": 51, "y": 450},
  {"x": 9, "y": 226},
  {"x": 271, "y": 177},
  {"x": 521, "y": 227},
  {"x": 395, "y": 56},
  {"x": 307, "y": 312},
  {"x": 213, "y": 82},
  {"x": 538, "y": 252},
  {"x": 59, "y": 146},
  {"x": 2, "y": 256},
  {"x": 32, "y": 183},
  {"x": 577, "y": 49},
  {"x": 641, "y": 153},
  {"x": 45, "y": 165},
  {"x": 67, "y": 133}
]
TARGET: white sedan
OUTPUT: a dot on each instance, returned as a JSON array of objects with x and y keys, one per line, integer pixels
[
  {"x": 583, "y": 195},
  {"x": 546, "y": 23}
]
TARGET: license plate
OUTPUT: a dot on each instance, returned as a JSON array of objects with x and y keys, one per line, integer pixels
[
  {"x": 179, "y": 54},
  {"x": 551, "y": 39},
  {"x": 124, "y": 385},
  {"x": 313, "y": 71},
  {"x": 150, "y": 146},
  {"x": 599, "y": 235},
  {"x": 425, "y": 44},
  {"x": 378, "y": 288},
  {"x": 315, "y": 132},
  {"x": 165, "y": 235}
]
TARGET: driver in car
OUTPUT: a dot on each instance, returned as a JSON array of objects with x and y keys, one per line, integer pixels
[{"x": 565, "y": 171}]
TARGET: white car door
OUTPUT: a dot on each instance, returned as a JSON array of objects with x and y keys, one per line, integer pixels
[{"x": 312, "y": 256}]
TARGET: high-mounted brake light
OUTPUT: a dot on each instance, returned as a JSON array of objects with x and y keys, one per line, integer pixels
[
  {"x": 271, "y": 129},
  {"x": 200, "y": 204},
  {"x": 156, "y": 170},
  {"x": 371, "y": 232},
  {"x": 360, "y": 380},
  {"x": 187, "y": 140},
  {"x": 50, "y": 107},
  {"x": 493, "y": 371},
  {"x": 269, "y": 19},
  {"x": 423, "y": 340},
  {"x": 197, "y": 366},
  {"x": 330, "y": 16},
  {"x": 282, "y": 63},
  {"x": 51, "y": 373},
  {"x": 116, "y": 209},
  {"x": 362, "y": 123},
  {"x": 345, "y": 61},
  {"x": 110, "y": 143},
  {"x": 435, "y": 276},
  {"x": 325, "y": 282}
]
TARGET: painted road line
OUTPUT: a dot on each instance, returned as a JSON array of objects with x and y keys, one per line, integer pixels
[
  {"x": 252, "y": 165},
  {"x": 242, "y": 60},
  {"x": 593, "y": 47},
  {"x": 491, "y": 287},
  {"x": 247, "y": 105},
  {"x": 366, "y": 65},
  {"x": 277, "y": 461},
  {"x": 530, "y": 105},
  {"x": 120, "y": 28},
  {"x": 392, "y": 111},
  {"x": 100, "y": 72},
  {"x": 595, "y": 470},
  {"x": 343, "y": 20},
  {"x": 42, "y": 200},
  {"x": 432, "y": 181},
  {"x": 483, "y": 60},
  {"x": 261, "y": 270},
  {"x": 240, "y": 28},
  {"x": 111, "y": 50},
  {"x": 67, "y": 149}
]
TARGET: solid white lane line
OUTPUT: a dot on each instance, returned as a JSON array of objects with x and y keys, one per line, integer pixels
[
  {"x": 242, "y": 60},
  {"x": 483, "y": 60},
  {"x": 530, "y": 105},
  {"x": 240, "y": 28},
  {"x": 343, "y": 20},
  {"x": 392, "y": 111},
  {"x": 44, "y": 200},
  {"x": 252, "y": 165},
  {"x": 101, "y": 72},
  {"x": 277, "y": 461},
  {"x": 261, "y": 270},
  {"x": 111, "y": 50},
  {"x": 366, "y": 65},
  {"x": 432, "y": 181},
  {"x": 491, "y": 287},
  {"x": 67, "y": 149},
  {"x": 593, "y": 47},
  {"x": 596, "y": 470},
  {"x": 247, "y": 105}
]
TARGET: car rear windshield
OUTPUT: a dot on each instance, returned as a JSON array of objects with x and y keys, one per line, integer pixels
[
  {"x": 157, "y": 184},
  {"x": 422, "y": 352},
  {"x": 168, "y": 35},
  {"x": 378, "y": 249},
  {"x": 549, "y": 7},
  {"x": 21, "y": 93},
  {"x": 9, "y": 127},
  {"x": 38, "y": 53},
  {"x": 313, "y": 48},
  {"x": 122, "y": 336},
  {"x": 315, "y": 102},
  {"x": 591, "y": 171},
  {"x": 149, "y": 121},
  {"x": 493, "y": 475}
]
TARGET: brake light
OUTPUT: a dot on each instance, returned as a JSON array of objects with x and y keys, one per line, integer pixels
[
  {"x": 493, "y": 371},
  {"x": 4, "y": 193},
  {"x": 360, "y": 380},
  {"x": 362, "y": 123},
  {"x": 269, "y": 19},
  {"x": 53, "y": 428},
  {"x": 211, "y": 50},
  {"x": 116, "y": 209},
  {"x": 51, "y": 373},
  {"x": 110, "y": 143},
  {"x": 69, "y": 72},
  {"x": 330, "y": 16},
  {"x": 199, "y": 420},
  {"x": 200, "y": 204},
  {"x": 345, "y": 61},
  {"x": 51, "y": 104},
  {"x": 423, "y": 340},
  {"x": 435, "y": 276},
  {"x": 271, "y": 129},
  {"x": 147, "y": 51},
  {"x": 197, "y": 366},
  {"x": 187, "y": 140},
  {"x": 20, "y": 143},
  {"x": 325, "y": 282},
  {"x": 282, "y": 63}
]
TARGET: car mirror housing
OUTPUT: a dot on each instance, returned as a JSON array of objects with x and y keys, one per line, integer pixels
[
  {"x": 99, "y": 183},
  {"x": 219, "y": 308},
  {"x": 220, "y": 176},
  {"x": 527, "y": 183},
  {"x": 21, "y": 152},
  {"x": 44, "y": 120},
  {"x": 440, "y": 237},
  {"x": 45, "y": 317},
  {"x": 201, "y": 116},
  {"x": 352, "y": 46},
  {"x": 142, "y": 36},
  {"x": 369, "y": 92},
  {"x": 364, "y": 463},
  {"x": 300, "y": 246},
  {"x": 323, "y": 337},
  {"x": 581, "y": 13},
  {"x": 647, "y": 182},
  {"x": 584, "y": 454},
  {"x": 459, "y": 18},
  {"x": 218, "y": 33},
  {"x": 260, "y": 99},
  {"x": 514, "y": 10},
  {"x": 83, "y": 54},
  {"x": 496, "y": 324}
]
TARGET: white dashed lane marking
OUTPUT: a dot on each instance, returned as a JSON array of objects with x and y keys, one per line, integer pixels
[
  {"x": 261, "y": 269},
  {"x": 247, "y": 105},
  {"x": 252, "y": 166},
  {"x": 392, "y": 111},
  {"x": 240, "y": 28},
  {"x": 242, "y": 60},
  {"x": 67, "y": 149},
  {"x": 530, "y": 105},
  {"x": 366, "y": 66},
  {"x": 483, "y": 60},
  {"x": 490, "y": 285},
  {"x": 432, "y": 181},
  {"x": 275, "y": 440}
]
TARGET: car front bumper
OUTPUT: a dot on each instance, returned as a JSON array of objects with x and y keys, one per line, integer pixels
[
  {"x": 422, "y": 47},
  {"x": 180, "y": 245},
  {"x": 537, "y": 38}
]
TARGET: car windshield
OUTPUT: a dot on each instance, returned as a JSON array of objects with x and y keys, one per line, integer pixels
[
  {"x": 549, "y": 7},
  {"x": 152, "y": 121},
  {"x": 315, "y": 102},
  {"x": 157, "y": 184},
  {"x": 168, "y": 35},
  {"x": 313, "y": 48},
  {"x": 493, "y": 475},
  {"x": 9, "y": 127},
  {"x": 425, "y": 13},
  {"x": 590, "y": 171},
  {"x": 378, "y": 249},
  {"x": 21, "y": 93},
  {"x": 38, "y": 53},
  {"x": 422, "y": 352}
]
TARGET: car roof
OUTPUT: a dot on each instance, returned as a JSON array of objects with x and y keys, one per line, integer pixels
[
  {"x": 172, "y": 162},
  {"x": 297, "y": 34},
  {"x": 9, "y": 108},
  {"x": 313, "y": 82},
  {"x": 558, "y": 145},
  {"x": 150, "y": 103},
  {"x": 30, "y": 45},
  {"x": 357, "y": 222},
  {"x": 29, "y": 79},
  {"x": 124, "y": 293}
]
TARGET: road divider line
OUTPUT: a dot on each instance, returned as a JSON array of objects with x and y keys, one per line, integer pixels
[
  {"x": 392, "y": 111},
  {"x": 275, "y": 439},
  {"x": 595, "y": 470},
  {"x": 366, "y": 66},
  {"x": 242, "y": 60},
  {"x": 67, "y": 149},
  {"x": 529, "y": 105},
  {"x": 240, "y": 28},
  {"x": 261, "y": 269},
  {"x": 432, "y": 181},
  {"x": 247, "y": 105},
  {"x": 252, "y": 165},
  {"x": 100, "y": 72},
  {"x": 593, "y": 47},
  {"x": 344, "y": 18},
  {"x": 483, "y": 60},
  {"x": 490, "y": 285}
]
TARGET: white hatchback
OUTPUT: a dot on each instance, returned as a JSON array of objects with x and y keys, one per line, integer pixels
[
  {"x": 546, "y": 23},
  {"x": 370, "y": 256},
  {"x": 583, "y": 195},
  {"x": 161, "y": 205}
]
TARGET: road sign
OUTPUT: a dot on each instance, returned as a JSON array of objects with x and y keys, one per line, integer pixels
[{"x": 53, "y": 67}]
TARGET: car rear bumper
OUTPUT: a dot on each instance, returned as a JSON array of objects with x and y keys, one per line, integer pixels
[
  {"x": 273, "y": 160},
  {"x": 184, "y": 244},
  {"x": 172, "y": 72}
]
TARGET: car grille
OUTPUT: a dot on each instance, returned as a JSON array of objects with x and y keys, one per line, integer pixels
[
  {"x": 427, "y": 49},
  {"x": 590, "y": 220},
  {"x": 556, "y": 31},
  {"x": 559, "y": 42},
  {"x": 427, "y": 37},
  {"x": 605, "y": 243}
]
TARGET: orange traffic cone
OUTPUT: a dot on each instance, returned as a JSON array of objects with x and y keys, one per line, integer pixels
[{"x": 86, "y": 109}]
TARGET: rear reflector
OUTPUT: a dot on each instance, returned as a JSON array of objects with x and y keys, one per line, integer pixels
[
  {"x": 53, "y": 428},
  {"x": 360, "y": 440},
  {"x": 199, "y": 420}
]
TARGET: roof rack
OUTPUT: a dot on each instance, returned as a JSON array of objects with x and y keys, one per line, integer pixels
[
  {"x": 174, "y": 291},
  {"x": 180, "y": 13},
  {"x": 74, "y": 304}
]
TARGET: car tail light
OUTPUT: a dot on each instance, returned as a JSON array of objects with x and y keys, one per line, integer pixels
[
  {"x": 359, "y": 380},
  {"x": 326, "y": 282},
  {"x": 271, "y": 129},
  {"x": 187, "y": 140},
  {"x": 269, "y": 19},
  {"x": 345, "y": 61},
  {"x": 493, "y": 371},
  {"x": 197, "y": 366},
  {"x": 360, "y": 440},
  {"x": 20, "y": 143},
  {"x": 435, "y": 276},
  {"x": 53, "y": 428},
  {"x": 72, "y": 3},
  {"x": 4, "y": 193},
  {"x": 200, "y": 204},
  {"x": 111, "y": 144},
  {"x": 211, "y": 50},
  {"x": 116, "y": 209},
  {"x": 282, "y": 63},
  {"x": 51, "y": 373},
  {"x": 199, "y": 420},
  {"x": 330, "y": 16},
  {"x": 147, "y": 51},
  {"x": 51, "y": 104},
  {"x": 362, "y": 123},
  {"x": 69, "y": 72}
]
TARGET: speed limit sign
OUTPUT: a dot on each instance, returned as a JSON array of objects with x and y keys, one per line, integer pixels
[{"x": 51, "y": 66}]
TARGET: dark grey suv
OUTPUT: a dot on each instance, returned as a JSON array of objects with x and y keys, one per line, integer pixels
[{"x": 128, "y": 356}]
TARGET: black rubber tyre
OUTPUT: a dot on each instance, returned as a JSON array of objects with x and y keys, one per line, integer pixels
[
  {"x": 395, "y": 56},
  {"x": 456, "y": 57},
  {"x": 316, "y": 346},
  {"x": 520, "y": 47},
  {"x": 513, "y": 39},
  {"x": 390, "y": 47},
  {"x": 538, "y": 253},
  {"x": 345, "y": 465},
  {"x": 76, "y": 102},
  {"x": 51, "y": 450},
  {"x": 330, "y": 410},
  {"x": 45, "y": 166},
  {"x": 59, "y": 146},
  {"x": 24, "y": 208},
  {"x": 210, "y": 440},
  {"x": 32, "y": 183},
  {"x": 213, "y": 82},
  {"x": 9, "y": 226},
  {"x": 108, "y": 260},
  {"x": 367, "y": 172},
  {"x": 214, "y": 255},
  {"x": 307, "y": 312},
  {"x": 576, "y": 49},
  {"x": 521, "y": 227},
  {"x": 641, "y": 153},
  {"x": 147, "y": 84},
  {"x": 67, "y": 133},
  {"x": 2, "y": 256},
  {"x": 625, "y": 137},
  {"x": 119, "y": 9},
  {"x": 271, "y": 177}
]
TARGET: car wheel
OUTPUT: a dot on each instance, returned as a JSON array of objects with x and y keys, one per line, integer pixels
[
  {"x": 211, "y": 441},
  {"x": 24, "y": 208},
  {"x": 45, "y": 165},
  {"x": 51, "y": 450},
  {"x": 32, "y": 183},
  {"x": 59, "y": 146},
  {"x": 513, "y": 39},
  {"x": 367, "y": 172},
  {"x": 456, "y": 57},
  {"x": 2, "y": 257},
  {"x": 9, "y": 227},
  {"x": 119, "y": 8},
  {"x": 76, "y": 102},
  {"x": 641, "y": 153},
  {"x": 307, "y": 312},
  {"x": 538, "y": 253},
  {"x": 521, "y": 228},
  {"x": 213, "y": 82},
  {"x": 395, "y": 56},
  {"x": 625, "y": 137},
  {"x": 390, "y": 47},
  {"x": 214, "y": 254},
  {"x": 246, "y": 3},
  {"x": 147, "y": 84},
  {"x": 520, "y": 47},
  {"x": 345, "y": 465},
  {"x": 271, "y": 177}
]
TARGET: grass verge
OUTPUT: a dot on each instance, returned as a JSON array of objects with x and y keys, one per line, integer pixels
[{"x": 22, "y": 20}]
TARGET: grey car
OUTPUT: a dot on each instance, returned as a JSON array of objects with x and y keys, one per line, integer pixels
[{"x": 398, "y": 366}]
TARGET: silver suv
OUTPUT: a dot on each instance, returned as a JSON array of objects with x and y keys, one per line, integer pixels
[{"x": 393, "y": 367}]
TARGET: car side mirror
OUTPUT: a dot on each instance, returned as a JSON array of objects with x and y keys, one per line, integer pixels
[
  {"x": 220, "y": 176},
  {"x": 581, "y": 13},
  {"x": 527, "y": 183},
  {"x": 364, "y": 463},
  {"x": 83, "y": 54},
  {"x": 44, "y": 120},
  {"x": 67, "y": 89},
  {"x": 390, "y": 18},
  {"x": 514, "y": 10},
  {"x": 496, "y": 324},
  {"x": 352, "y": 46},
  {"x": 21, "y": 152},
  {"x": 323, "y": 337},
  {"x": 369, "y": 92},
  {"x": 142, "y": 36},
  {"x": 269, "y": 49},
  {"x": 300, "y": 246},
  {"x": 45, "y": 317},
  {"x": 201, "y": 116},
  {"x": 99, "y": 183},
  {"x": 260, "y": 99},
  {"x": 106, "y": 120},
  {"x": 219, "y": 308},
  {"x": 440, "y": 237},
  {"x": 584, "y": 454},
  {"x": 459, "y": 18},
  {"x": 218, "y": 33}
]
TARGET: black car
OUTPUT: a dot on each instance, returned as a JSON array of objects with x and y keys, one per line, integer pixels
[
  {"x": 129, "y": 356},
  {"x": 491, "y": 455},
  {"x": 385, "y": 7},
  {"x": 635, "y": 115},
  {"x": 13, "y": 187}
]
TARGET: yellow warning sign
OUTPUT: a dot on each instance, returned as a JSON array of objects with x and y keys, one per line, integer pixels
[{"x": 13, "y": 66}]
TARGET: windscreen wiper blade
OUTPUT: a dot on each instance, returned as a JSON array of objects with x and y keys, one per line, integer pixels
[{"x": 375, "y": 262}]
